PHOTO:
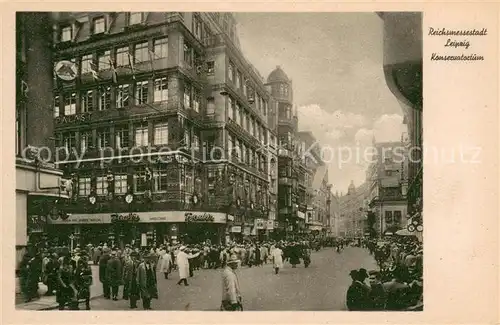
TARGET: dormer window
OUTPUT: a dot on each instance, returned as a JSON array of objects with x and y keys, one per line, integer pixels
[
  {"x": 99, "y": 25},
  {"x": 66, "y": 34},
  {"x": 135, "y": 18}
]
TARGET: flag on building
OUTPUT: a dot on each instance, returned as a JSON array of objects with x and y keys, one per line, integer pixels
[
  {"x": 93, "y": 69},
  {"x": 131, "y": 63},
  {"x": 113, "y": 71},
  {"x": 319, "y": 176},
  {"x": 24, "y": 88}
]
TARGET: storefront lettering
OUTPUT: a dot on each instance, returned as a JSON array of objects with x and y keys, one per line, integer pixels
[
  {"x": 202, "y": 217},
  {"x": 84, "y": 117},
  {"x": 131, "y": 217}
]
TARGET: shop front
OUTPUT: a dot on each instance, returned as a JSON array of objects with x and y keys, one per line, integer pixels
[{"x": 139, "y": 228}]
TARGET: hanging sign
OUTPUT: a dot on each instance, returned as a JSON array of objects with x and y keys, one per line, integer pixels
[
  {"x": 199, "y": 217},
  {"x": 66, "y": 70}
]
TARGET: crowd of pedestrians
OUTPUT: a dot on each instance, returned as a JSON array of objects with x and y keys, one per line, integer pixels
[{"x": 398, "y": 283}]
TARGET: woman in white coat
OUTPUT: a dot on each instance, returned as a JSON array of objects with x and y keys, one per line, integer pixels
[
  {"x": 183, "y": 265},
  {"x": 277, "y": 256},
  {"x": 165, "y": 263}
]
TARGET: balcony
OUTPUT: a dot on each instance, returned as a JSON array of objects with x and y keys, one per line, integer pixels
[{"x": 242, "y": 134}]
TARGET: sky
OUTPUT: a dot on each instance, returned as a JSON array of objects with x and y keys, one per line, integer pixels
[{"x": 335, "y": 63}]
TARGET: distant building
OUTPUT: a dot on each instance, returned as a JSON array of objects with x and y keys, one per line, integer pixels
[{"x": 353, "y": 207}]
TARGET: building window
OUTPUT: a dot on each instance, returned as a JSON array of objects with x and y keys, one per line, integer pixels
[
  {"x": 160, "y": 48},
  {"x": 160, "y": 179},
  {"x": 70, "y": 104},
  {"x": 388, "y": 217},
  {"x": 121, "y": 186},
  {"x": 86, "y": 63},
  {"x": 397, "y": 217},
  {"x": 122, "y": 56},
  {"x": 187, "y": 137},
  {"x": 135, "y": 18},
  {"x": 230, "y": 72},
  {"x": 160, "y": 90},
  {"x": 245, "y": 87},
  {"x": 196, "y": 101},
  {"x": 141, "y": 92},
  {"x": 141, "y": 52},
  {"x": 103, "y": 138},
  {"x": 195, "y": 143},
  {"x": 57, "y": 104},
  {"x": 388, "y": 173},
  {"x": 140, "y": 184},
  {"x": 103, "y": 60},
  {"x": 99, "y": 25},
  {"x": 210, "y": 67},
  {"x": 104, "y": 98},
  {"x": 122, "y": 96},
  {"x": 229, "y": 108},
  {"x": 238, "y": 79},
  {"x": 66, "y": 34},
  {"x": 101, "y": 185},
  {"x": 85, "y": 141},
  {"x": 141, "y": 136},
  {"x": 237, "y": 115},
  {"x": 197, "y": 27},
  {"x": 187, "y": 95},
  {"x": 69, "y": 141},
  {"x": 122, "y": 137},
  {"x": 87, "y": 103},
  {"x": 84, "y": 186},
  {"x": 188, "y": 55},
  {"x": 161, "y": 134}
]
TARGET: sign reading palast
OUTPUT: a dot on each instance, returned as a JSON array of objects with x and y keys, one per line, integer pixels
[
  {"x": 198, "y": 217},
  {"x": 131, "y": 217},
  {"x": 84, "y": 117}
]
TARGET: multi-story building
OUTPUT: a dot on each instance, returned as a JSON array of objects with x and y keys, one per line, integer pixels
[
  {"x": 315, "y": 190},
  {"x": 166, "y": 125},
  {"x": 353, "y": 208},
  {"x": 387, "y": 188},
  {"x": 403, "y": 74},
  {"x": 38, "y": 182},
  {"x": 290, "y": 215},
  {"x": 334, "y": 214}
]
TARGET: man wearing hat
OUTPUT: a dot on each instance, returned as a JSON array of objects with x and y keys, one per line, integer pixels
[
  {"x": 183, "y": 265},
  {"x": 231, "y": 295},
  {"x": 131, "y": 288},
  {"x": 83, "y": 279},
  {"x": 114, "y": 274},
  {"x": 357, "y": 294},
  {"x": 146, "y": 280},
  {"x": 103, "y": 265}
]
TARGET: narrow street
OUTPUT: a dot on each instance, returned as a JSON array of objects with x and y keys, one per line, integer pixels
[{"x": 322, "y": 286}]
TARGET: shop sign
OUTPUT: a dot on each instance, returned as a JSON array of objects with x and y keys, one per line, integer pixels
[
  {"x": 230, "y": 217},
  {"x": 83, "y": 117},
  {"x": 236, "y": 229},
  {"x": 131, "y": 217},
  {"x": 301, "y": 215},
  {"x": 270, "y": 224},
  {"x": 201, "y": 217},
  {"x": 246, "y": 231}
]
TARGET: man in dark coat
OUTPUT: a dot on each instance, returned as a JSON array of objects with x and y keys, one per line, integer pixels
[
  {"x": 357, "y": 294},
  {"x": 377, "y": 293},
  {"x": 103, "y": 264},
  {"x": 83, "y": 279},
  {"x": 146, "y": 280},
  {"x": 114, "y": 274},
  {"x": 130, "y": 279}
]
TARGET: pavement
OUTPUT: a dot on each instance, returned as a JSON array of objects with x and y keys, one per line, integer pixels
[
  {"x": 49, "y": 302},
  {"x": 320, "y": 287}
]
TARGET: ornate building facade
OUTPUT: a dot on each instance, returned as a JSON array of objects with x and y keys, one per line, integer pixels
[{"x": 164, "y": 127}]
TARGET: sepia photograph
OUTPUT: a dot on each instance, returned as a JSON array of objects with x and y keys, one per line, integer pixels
[{"x": 219, "y": 161}]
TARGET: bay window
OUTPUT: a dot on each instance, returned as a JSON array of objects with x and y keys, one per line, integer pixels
[{"x": 84, "y": 186}]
